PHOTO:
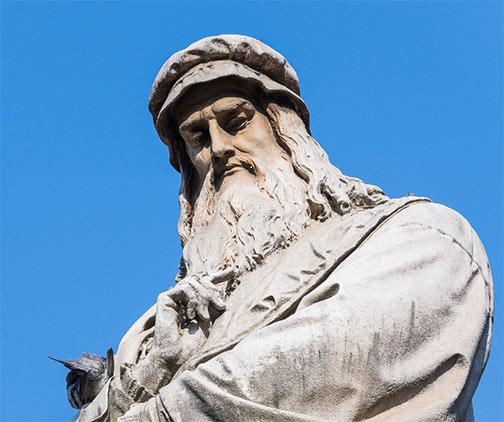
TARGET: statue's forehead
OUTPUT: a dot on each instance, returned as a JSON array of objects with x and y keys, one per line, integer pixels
[{"x": 216, "y": 99}]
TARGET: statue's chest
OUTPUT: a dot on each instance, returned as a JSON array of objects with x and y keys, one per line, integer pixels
[
  {"x": 273, "y": 291},
  {"x": 262, "y": 292}
]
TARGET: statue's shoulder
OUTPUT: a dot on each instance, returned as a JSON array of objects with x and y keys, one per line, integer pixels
[
  {"x": 404, "y": 216},
  {"x": 414, "y": 227},
  {"x": 424, "y": 223},
  {"x": 433, "y": 216}
]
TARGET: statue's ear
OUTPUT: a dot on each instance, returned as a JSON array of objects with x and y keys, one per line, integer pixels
[{"x": 109, "y": 363}]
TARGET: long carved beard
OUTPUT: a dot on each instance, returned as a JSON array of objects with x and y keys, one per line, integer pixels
[{"x": 245, "y": 223}]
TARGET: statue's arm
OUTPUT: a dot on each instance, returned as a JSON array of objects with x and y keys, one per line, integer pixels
[
  {"x": 182, "y": 318},
  {"x": 399, "y": 330}
]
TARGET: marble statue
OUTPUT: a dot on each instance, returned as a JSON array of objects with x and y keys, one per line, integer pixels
[{"x": 303, "y": 294}]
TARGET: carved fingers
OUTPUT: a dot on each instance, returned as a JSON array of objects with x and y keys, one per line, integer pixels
[
  {"x": 193, "y": 298},
  {"x": 196, "y": 297}
]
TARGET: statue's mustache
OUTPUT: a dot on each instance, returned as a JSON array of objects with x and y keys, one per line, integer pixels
[{"x": 222, "y": 168}]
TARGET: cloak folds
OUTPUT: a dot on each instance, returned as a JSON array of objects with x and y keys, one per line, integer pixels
[{"x": 384, "y": 315}]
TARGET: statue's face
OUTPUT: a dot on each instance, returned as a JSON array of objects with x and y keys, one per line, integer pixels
[
  {"x": 225, "y": 131},
  {"x": 249, "y": 201}
]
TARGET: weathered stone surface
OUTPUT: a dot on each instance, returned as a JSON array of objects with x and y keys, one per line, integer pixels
[{"x": 303, "y": 294}]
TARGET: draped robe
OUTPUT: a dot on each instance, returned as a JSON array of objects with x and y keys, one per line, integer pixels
[{"x": 384, "y": 314}]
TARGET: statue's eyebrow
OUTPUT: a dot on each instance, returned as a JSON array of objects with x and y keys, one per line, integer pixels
[
  {"x": 198, "y": 120},
  {"x": 229, "y": 107},
  {"x": 191, "y": 122}
]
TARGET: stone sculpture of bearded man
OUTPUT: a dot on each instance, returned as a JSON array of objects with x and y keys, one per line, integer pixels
[{"x": 303, "y": 294}]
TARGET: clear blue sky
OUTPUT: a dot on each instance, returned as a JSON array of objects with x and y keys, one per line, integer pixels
[{"x": 406, "y": 95}]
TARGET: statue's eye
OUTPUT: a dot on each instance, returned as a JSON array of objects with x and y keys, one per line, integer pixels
[
  {"x": 199, "y": 137},
  {"x": 237, "y": 123}
]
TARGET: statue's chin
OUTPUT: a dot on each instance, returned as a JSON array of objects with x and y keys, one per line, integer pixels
[{"x": 237, "y": 181}]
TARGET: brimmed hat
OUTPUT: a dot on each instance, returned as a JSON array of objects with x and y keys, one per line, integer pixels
[{"x": 213, "y": 58}]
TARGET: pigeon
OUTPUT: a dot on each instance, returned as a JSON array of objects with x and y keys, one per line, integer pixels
[{"x": 88, "y": 374}]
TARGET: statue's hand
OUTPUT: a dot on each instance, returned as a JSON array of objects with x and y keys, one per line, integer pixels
[
  {"x": 198, "y": 297},
  {"x": 184, "y": 316},
  {"x": 177, "y": 334}
]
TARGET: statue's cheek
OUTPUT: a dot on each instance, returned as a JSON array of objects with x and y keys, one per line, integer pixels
[
  {"x": 258, "y": 137},
  {"x": 201, "y": 159}
]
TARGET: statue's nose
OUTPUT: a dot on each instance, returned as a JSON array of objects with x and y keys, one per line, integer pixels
[{"x": 221, "y": 142}]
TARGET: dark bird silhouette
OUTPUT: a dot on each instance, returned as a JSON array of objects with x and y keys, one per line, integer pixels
[{"x": 88, "y": 374}]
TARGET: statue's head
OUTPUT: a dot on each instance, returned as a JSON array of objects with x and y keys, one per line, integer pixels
[{"x": 228, "y": 107}]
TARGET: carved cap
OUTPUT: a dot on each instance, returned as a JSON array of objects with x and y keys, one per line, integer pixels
[{"x": 216, "y": 57}]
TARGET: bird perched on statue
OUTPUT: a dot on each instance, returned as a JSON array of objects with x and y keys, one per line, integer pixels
[{"x": 88, "y": 374}]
